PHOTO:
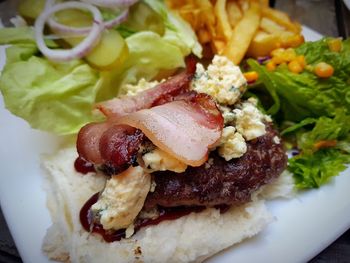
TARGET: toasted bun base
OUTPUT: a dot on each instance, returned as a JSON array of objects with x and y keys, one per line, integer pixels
[{"x": 191, "y": 238}]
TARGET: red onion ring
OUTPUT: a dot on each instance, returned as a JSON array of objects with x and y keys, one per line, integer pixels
[
  {"x": 83, "y": 47},
  {"x": 111, "y": 3},
  {"x": 81, "y": 31}
]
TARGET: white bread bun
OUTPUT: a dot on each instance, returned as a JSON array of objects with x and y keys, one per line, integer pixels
[{"x": 191, "y": 238}]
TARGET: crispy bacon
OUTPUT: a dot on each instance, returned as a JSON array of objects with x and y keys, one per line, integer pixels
[
  {"x": 162, "y": 93},
  {"x": 88, "y": 141},
  {"x": 186, "y": 128},
  {"x": 118, "y": 146},
  {"x": 114, "y": 147}
]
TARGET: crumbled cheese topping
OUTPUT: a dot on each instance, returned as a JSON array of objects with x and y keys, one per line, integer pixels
[
  {"x": 142, "y": 85},
  {"x": 276, "y": 140},
  {"x": 249, "y": 120},
  {"x": 222, "y": 80},
  {"x": 158, "y": 160},
  {"x": 227, "y": 114},
  {"x": 232, "y": 144},
  {"x": 123, "y": 198},
  {"x": 153, "y": 186},
  {"x": 209, "y": 163}
]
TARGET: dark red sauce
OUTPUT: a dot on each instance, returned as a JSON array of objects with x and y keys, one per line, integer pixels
[
  {"x": 165, "y": 213},
  {"x": 223, "y": 208},
  {"x": 83, "y": 166}
]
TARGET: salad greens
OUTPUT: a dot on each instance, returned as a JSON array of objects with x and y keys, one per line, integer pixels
[
  {"x": 315, "y": 112},
  {"x": 58, "y": 97}
]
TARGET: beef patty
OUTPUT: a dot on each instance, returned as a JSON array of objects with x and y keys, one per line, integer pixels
[{"x": 219, "y": 181}]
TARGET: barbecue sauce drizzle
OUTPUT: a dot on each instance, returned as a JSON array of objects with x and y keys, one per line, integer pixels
[{"x": 165, "y": 213}]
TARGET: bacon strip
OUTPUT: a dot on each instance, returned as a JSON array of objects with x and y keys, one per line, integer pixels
[
  {"x": 88, "y": 141},
  {"x": 162, "y": 93},
  {"x": 186, "y": 129},
  {"x": 113, "y": 146}
]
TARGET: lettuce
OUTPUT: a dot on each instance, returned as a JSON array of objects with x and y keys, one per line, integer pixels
[
  {"x": 318, "y": 109},
  {"x": 316, "y": 165},
  {"x": 312, "y": 171},
  {"x": 51, "y": 97},
  {"x": 299, "y": 96},
  {"x": 59, "y": 97}
]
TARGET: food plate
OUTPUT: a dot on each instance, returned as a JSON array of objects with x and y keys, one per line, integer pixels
[{"x": 303, "y": 226}]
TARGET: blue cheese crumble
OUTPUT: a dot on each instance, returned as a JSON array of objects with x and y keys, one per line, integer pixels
[
  {"x": 158, "y": 160},
  {"x": 123, "y": 198},
  {"x": 232, "y": 144},
  {"x": 142, "y": 85},
  {"x": 249, "y": 120},
  {"x": 222, "y": 80}
]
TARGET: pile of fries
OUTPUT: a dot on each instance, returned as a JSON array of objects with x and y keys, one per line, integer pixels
[{"x": 238, "y": 28}]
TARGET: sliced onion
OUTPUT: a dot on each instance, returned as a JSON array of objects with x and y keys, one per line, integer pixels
[
  {"x": 81, "y": 31},
  {"x": 83, "y": 47},
  {"x": 49, "y": 3},
  {"x": 111, "y": 3}
]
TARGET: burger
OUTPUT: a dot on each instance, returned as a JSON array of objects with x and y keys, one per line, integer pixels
[{"x": 178, "y": 170}]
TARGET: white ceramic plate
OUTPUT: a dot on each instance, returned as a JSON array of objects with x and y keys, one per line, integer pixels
[
  {"x": 303, "y": 227},
  {"x": 347, "y": 3}
]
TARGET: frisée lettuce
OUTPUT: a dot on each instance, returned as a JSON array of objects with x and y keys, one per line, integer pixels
[{"x": 324, "y": 149}]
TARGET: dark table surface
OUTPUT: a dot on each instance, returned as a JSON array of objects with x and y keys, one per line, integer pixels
[{"x": 329, "y": 17}]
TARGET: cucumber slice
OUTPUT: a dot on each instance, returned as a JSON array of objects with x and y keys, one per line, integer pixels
[
  {"x": 110, "y": 52},
  {"x": 31, "y": 8}
]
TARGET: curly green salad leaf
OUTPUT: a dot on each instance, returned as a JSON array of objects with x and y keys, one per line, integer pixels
[
  {"x": 59, "y": 97},
  {"x": 318, "y": 109}
]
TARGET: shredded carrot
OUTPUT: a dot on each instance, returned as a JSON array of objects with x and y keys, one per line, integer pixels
[{"x": 325, "y": 144}]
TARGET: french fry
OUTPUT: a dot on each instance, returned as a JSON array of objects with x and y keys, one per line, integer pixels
[
  {"x": 191, "y": 15},
  {"x": 243, "y": 34},
  {"x": 234, "y": 13},
  {"x": 262, "y": 44},
  {"x": 270, "y": 26},
  {"x": 289, "y": 39},
  {"x": 281, "y": 19},
  {"x": 203, "y": 36},
  {"x": 223, "y": 24},
  {"x": 219, "y": 46},
  {"x": 207, "y": 14},
  {"x": 264, "y": 3},
  {"x": 236, "y": 28},
  {"x": 244, "y": 5}
]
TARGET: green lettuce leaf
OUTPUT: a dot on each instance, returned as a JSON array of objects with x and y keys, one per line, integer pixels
[
  {"x": 315, "y": 167},
  {"x": 312, "y": 171},
  {"x": 16, "y": 35},
  {"x": 325, "y": 129},
  {"x": 51, "y": 97},
  {"x": 150, "y": 53},
  {"x": 177, "y": 31},
  {"x": 21, "y": 35}
]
